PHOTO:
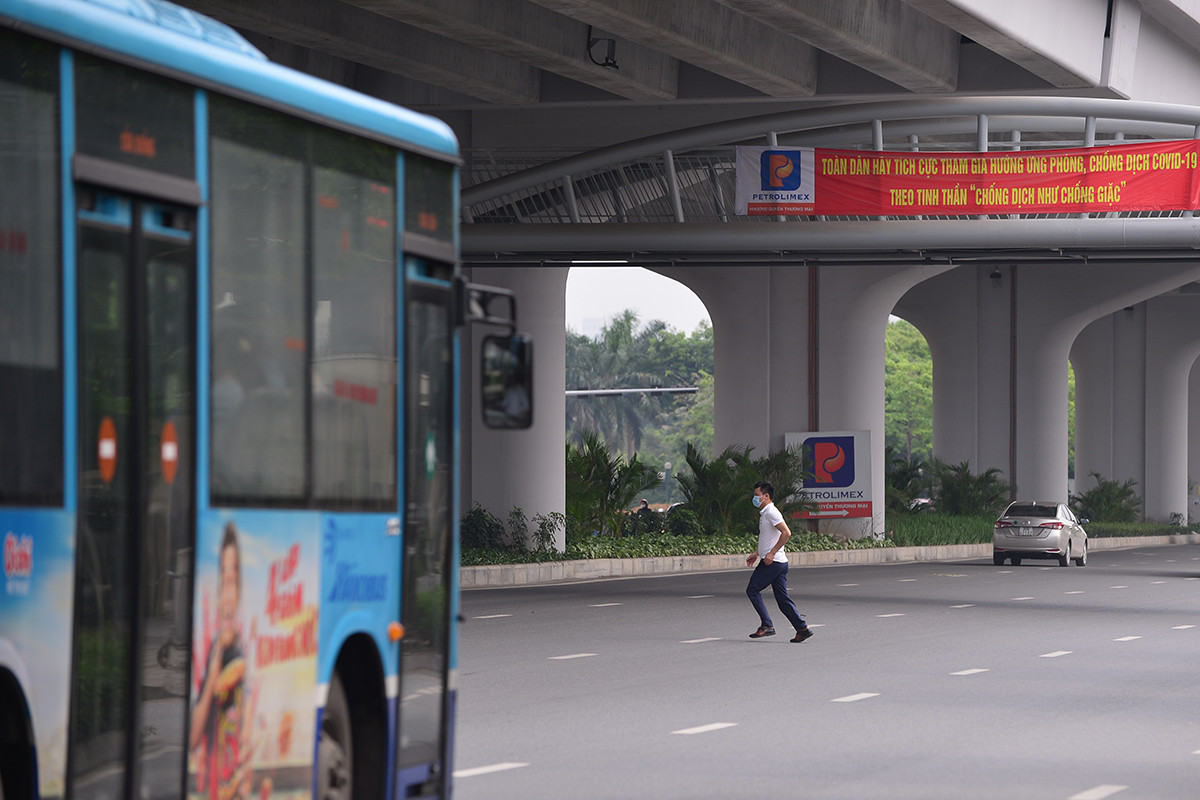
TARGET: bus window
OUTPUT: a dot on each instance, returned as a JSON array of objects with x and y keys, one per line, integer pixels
[
  {"x": 354, "y": 322},
  {"x": 259, "y": 327},
  {"x": 30, "y": 372}
]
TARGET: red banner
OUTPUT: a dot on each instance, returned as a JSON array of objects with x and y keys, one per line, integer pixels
[{"x": 1159, "y": 176}]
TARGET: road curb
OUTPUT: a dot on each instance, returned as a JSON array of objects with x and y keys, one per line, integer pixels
[{"x": 497, "y": 575}]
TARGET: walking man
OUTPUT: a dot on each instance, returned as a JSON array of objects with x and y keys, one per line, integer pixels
[{"x": 772, "y": 567}]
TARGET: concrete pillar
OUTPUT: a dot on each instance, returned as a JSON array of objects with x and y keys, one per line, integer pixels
[
  {"x": 523, "y": 468},
  {"x": 1028, "y": 318},
  {"x": 855, "y": 305},
  {"x": 1193, "y": 438},
  {"x": 759, "y": 353},
  {"x": 1092, "y": 358},
  {"x": 1172, "y": 346}
]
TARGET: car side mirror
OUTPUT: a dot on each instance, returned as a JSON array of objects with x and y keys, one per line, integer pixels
[{"x": 506, "y": 381}]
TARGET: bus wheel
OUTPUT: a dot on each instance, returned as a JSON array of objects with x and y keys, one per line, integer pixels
[{"x": 335, "y": 749}]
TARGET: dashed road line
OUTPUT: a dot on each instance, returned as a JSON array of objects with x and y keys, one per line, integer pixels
[
  {"x": 844, "y": 585},
  {"x": 1118, "y": 587},
  {"x": 715, "y": 726},
  {"x": 1077, "y": 591},
  {"x": 1182, "y": 627},
  {"x": 492, "y": 616},
  {"x": 1126, "y": 638},
  {"x": 974, "y": 671},
  {"x": 1098, "y": 792},
  {"x": 1024, "y": 598},
  {"x": 884, "y": 616},
  {"x": 698, "y": 596},
  {"x": 701, "y": 641},
  {"x": 603, "y": 605},
  {"x": 1056, "y": 654},
  {"x": 573, "y": 655},
  {"x": 964, "y": 605},
  {"x": 906, "y": 580},
  {"x": 471, "y": 773},
  {"x": 854, "y": 698}
]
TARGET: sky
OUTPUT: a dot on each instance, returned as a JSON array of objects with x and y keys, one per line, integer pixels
[{"x": 597, "y": 294}]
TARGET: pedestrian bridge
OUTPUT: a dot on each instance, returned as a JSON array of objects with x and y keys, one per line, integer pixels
[{"x": 799, "y": 302}]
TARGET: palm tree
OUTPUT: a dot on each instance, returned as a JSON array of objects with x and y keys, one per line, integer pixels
[{"x": 608, "y": 362}]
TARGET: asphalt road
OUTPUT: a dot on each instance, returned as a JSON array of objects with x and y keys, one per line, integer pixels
[{"x": 924, "y": 681}]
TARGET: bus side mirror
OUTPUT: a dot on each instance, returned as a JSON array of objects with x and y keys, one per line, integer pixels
[{"x": 506, "y": 378}]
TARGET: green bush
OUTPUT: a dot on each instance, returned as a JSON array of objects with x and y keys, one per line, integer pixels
[
  {"x": 601, "y": 486},
  {"x": 959, "y": 492},
  {"x": 1108, "y": 501},
  {"x": 480, "y": 529},
  {"x": 718, "y": 491},
  {"x": 682, "y": 522}
]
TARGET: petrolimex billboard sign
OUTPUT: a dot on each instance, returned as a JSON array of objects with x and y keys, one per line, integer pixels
[{"x": 840, "y": 463}]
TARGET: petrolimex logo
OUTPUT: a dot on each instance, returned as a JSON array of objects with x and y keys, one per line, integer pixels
[
  {"x": 832, "y": 460},
  {"x": 779, "y": 170}
]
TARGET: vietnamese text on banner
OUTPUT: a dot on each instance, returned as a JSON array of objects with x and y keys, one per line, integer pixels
[{"x": 1155, "y": 176}]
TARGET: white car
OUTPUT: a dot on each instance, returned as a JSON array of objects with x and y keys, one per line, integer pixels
[{"x": 1039, "y": 529}]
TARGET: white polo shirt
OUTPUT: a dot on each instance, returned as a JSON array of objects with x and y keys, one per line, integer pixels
[{"x": 768, "y": 534}]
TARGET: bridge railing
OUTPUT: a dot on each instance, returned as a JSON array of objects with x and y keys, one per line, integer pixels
[{"x": 689, "y": 175}]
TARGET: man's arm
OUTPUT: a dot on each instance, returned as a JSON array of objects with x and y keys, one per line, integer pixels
[{"x": 784, "y": 534}]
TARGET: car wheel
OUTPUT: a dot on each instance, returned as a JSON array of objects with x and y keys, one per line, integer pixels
[
  {"x": 997, "y": 560},
  {"x": 1016, "y": 562},
  {"x": 1064, "y": 560},
  {"x": 1082, "y": 560}
]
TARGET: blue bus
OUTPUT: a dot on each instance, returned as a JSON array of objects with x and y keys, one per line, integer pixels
[{"x": 230, "y": 320}]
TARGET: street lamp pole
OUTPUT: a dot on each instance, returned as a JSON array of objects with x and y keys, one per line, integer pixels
[{"x": 667, "y": 483}]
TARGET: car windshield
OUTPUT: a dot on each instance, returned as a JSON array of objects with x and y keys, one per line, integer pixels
[{"x": 1031, "y": 511}]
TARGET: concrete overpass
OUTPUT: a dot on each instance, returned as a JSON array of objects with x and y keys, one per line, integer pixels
[{"x": 625, "y": 112}]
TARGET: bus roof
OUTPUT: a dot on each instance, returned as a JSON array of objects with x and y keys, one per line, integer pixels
[{"x": 173, "y": 40}]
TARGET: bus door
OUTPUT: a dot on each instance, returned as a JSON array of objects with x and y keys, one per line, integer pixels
[
  {"x": 136, "y": 331},
  {"x": 425, "y": 611}
]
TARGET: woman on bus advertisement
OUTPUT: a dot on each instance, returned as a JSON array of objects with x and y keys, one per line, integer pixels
[
  {"x": 219, "y": 731},
  {"x": 253, "y": 720}
]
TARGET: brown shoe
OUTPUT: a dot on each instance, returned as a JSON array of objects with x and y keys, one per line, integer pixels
[
  {"x": 762, "y": 631},
  {"x": 802, "y": 635}
]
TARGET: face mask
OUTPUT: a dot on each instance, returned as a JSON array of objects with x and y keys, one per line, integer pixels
[{"x": 757, "y": 500}]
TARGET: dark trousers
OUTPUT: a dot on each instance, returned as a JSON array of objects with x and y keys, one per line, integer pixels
[{"x": 775, "y": 576}]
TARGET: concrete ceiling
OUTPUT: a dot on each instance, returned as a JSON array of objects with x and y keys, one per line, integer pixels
[{"x": 596, "y": 71}]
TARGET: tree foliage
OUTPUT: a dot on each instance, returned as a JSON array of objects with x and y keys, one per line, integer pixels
[
  {"x": 718, "y": 491},
  {"x": 908, "y": 392},
  {"x": 625, "y": 355}
]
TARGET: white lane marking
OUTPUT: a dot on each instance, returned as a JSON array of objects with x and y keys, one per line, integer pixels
[
  {"x": 1024, "y": 598},
  {"x": 573, "y": 655},
  {"x": 698, "y": 596},
  {"x": 854, "y": 698},
  {"x": 471, "y": 773},
  {"x": 965, "y": 605},
  {"x": 1056, "y": 654},
  {"x": 1182, "y": 627},
  {"x": 1126, "y": 638},
  {"x": 974, "y": 671},
  {"x": 1155, "y": 583},
  {"x": 493, "y": 616},
  {"x": 716, "y": 726},
  {"x": 1005, "y": 572},
  {"x": 1098, "y": 792},
  {"x": 906, "y": 580},
  {"x": 700, "y": 641},
  {"x": 602, "y": 605},
  {"x": 1077, "y": 591},
  {"x": 1118, "y": 587},
  {"x": 849, "y": 584},
  {"x": 1196, "y": 752},
  {"x": 884, "y": 616},
  {"x": 1192, "y": 579}
]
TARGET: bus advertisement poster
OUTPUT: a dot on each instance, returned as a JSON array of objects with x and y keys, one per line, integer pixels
[{"x": 254, "y": 656}]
